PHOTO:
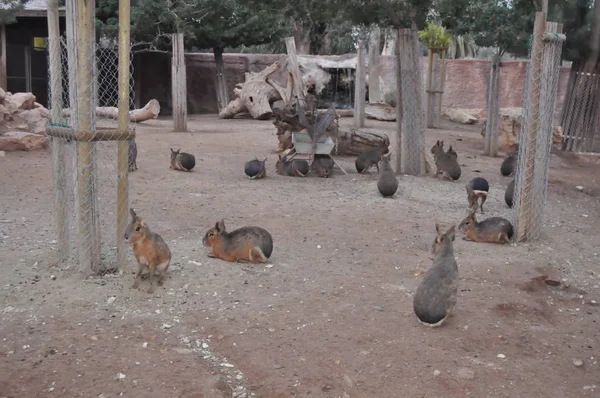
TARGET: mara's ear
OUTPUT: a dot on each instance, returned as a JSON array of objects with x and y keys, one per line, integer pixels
[
  {"x": 451, "y": 233},
  {"x": 132, "y": 212},
  {"x": 179, "y": 150},
  {"x": 265, "y": 160},
  {"x": 437, "y": 229},
  {"x": 442, "y": 144},
  {"x": 279, "y": 157},
  {"x": 172, "y": 151},
  {"x": 437, "y": 143},
  {"x": 220, "y": 226},
  {"x": 449, "y": 148}
]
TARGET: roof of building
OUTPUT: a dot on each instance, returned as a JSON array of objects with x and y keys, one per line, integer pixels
[{"x": 37, "y": 8}]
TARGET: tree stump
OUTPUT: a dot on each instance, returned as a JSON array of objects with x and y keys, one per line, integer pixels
[{"x": 257, "y": 94}]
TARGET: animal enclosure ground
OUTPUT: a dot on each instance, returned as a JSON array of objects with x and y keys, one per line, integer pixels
[{"x": 332, "y": 316}]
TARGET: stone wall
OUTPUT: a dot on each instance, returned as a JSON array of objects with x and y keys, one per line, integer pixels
[{"x": 466, "y": 80}]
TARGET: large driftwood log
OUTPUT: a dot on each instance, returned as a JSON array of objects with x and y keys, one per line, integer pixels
[
  {"x": 256, "y": 95},
  {"x": 149, "y": 111},
  {"x": 380, "y": 111},
  {"x": 353, "y": 142}
]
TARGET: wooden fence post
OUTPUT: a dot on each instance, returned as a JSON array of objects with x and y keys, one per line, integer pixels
[{"x": 179, "y": 84}]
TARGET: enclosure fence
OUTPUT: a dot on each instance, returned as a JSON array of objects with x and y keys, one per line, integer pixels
[
  {"x": 89, "y": 148},
  {"x": 535, "y": 139},
  {"x": 412, "y": 139},
  {"x": 580, "y": 116}
]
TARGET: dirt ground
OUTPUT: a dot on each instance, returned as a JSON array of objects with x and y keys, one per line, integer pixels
[{"x": 331, "y": 315}]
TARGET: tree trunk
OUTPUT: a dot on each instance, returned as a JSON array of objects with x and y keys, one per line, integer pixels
[
  {"x": 222, "y": 92},
  {"x": 149, "y": 111},
  {"x": 359, "y": 90}
]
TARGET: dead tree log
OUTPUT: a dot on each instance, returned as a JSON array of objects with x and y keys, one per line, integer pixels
[
  {"x": 256, "y": 95},
  {"x": 149, "y": 111},
  {"x": 353, "y": 142}
]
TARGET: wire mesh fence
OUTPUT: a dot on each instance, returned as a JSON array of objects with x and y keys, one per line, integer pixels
[
  {"x": 88, "y": 149},
  {"x": 412, "y": 139},
  {"x": 535, "y": 140},
  {"x": 580, "y": 116}
]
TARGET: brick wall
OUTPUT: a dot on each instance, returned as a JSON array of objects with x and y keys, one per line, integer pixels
[{"x": 466, "y": 80}]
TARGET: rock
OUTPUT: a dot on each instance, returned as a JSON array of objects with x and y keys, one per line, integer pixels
[
  {"x": 23, "y": 101},
  {"x": 111, "y": 300},
  {"x": 436, "y": 373},
  {"x": 460, "y": 116},
  {"x": 466, "y": 373},
  {"x": 120, "y": 376},
  {"x": 579, "y": 188},
  {"x": 36, "y": 119},
  {"x": 578, "y": 362},
  {"x": 501, "y": 356},
  {"x": 22, "y": 141}
]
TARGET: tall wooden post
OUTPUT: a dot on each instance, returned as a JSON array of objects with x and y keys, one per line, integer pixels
[
  {"x": 58, "y": 147},
  {"x": 526, "y": 174},
  {"x": 442, "y": 85},
  {"x": 399, "y": 103},
  {"x": 359, "y": 91},
  {"x": 493, "y": 109},
  {"x": 294, "y": 70},
  {"x": 3, "y": 76},
  {"x": 89, "y": 255},
  {"x": 179, "y": 84},
  {"x": 123, "y": 121},
  {"x": 374, "y": 66}
]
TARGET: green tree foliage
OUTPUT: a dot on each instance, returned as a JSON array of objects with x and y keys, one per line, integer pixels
[
  {"x": 9, "y": 9},
  {"x": 435, "y": 36},
  {"x": 504, "y": 24},
  {"x": 229, "y": 23},
  {"x": 577, "y": 17}
]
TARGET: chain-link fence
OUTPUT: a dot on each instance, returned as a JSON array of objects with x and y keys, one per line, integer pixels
[
  {"x": 580, "y": 117},
  {"x": 90, "y": 151},
  {"x": 535, "y": 139},
  {"x": 412, "y": 139}
]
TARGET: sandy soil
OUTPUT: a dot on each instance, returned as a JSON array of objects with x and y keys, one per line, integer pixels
[{"x": 331, "y": 315}]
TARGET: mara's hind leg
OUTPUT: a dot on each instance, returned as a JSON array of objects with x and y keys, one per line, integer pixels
[
  {"x": 483, "y": 198},
  {"x": 256, "y": 255},
  {"x": 447, "y": 176},
  {"x": 163, "y": 275}
]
